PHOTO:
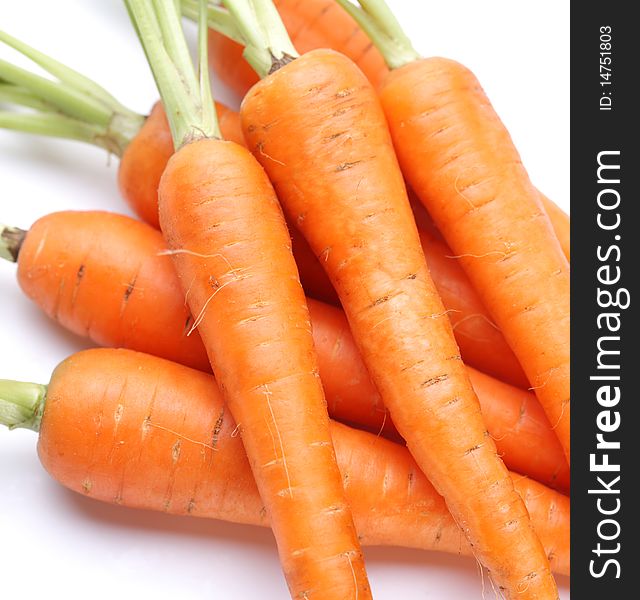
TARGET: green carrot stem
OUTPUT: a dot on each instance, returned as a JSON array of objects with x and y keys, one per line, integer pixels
[
  {"x": 76, "y": 104},
  {"x": 157, "y": 25},
  {"x": 206, "y": 97},
  {"x": 67, "y": 76},
  {"x": 71, "y": 107},
  {"x": 114, "y": 138},
  {"x": 11, "y": 239},
  {"x": 218, "y": 18},
  {"x": 382, "y": 27},
  {"x": 267, "y": 46},
  {"x": 21, "y": 404},
  {"x": 16, "y": 95}
]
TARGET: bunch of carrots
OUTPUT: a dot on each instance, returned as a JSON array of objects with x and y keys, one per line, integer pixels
[{"x": 360, "y": 338}]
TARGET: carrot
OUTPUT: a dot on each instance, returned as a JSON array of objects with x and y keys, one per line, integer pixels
[
  {"x": 481, "y": 343},
  {"x": 317, "y": 127},
  {"x": 459, "y": 159},
  {"x": 165, "y": 442},
  {"x": 231, "y": 248},
  {"x": 144, "y": 157},
  {"x": 315, "y": 24},
  {"x": 107, "y": 277},
  {"x": 68, "y": 263}
]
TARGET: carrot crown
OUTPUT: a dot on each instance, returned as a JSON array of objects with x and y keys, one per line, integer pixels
[
  {"x": 69, "y": 106},
  {"x": 21, "y": 404},
  {"x": 380, "y": 24},
  {"x": 256, "y": 25},
  {"x": 186, "y": 96}
]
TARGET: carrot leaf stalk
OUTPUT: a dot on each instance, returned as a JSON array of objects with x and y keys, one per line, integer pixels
[
  {"x": 267, "y": 46},
  {"x": 380, "y": 24},
  {"x": 217, "y": 15},
  {"x": 70, "y": 105},
  {"x": 21, "y": 404},
  {"x": 14, "y": 94},
  {"x": 186, "y": 98},
  {"x": 11, "y": 239}
]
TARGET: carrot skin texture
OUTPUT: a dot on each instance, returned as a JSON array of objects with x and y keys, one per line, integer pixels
[
  {"x": 148, "y": 153},
  {"x": 139, "y": 176},
  {"x": 341, "y": 185},
  {"x": 103, "y": 276},
  {"x": 469, "y": 176},
  {"x": 315, "y": 24},
  {"x": 107, "y": 248},
  {"x": 560, "y": 222},
  {"x": 165, "y": 442},
  {"x": 243, "y": 289},
  {"x": 481, "y": 343}
]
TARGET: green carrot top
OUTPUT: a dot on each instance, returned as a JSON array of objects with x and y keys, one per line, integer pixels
[
  {"x": 70, "y": 105},
  {"x": 186, "y": 95}
]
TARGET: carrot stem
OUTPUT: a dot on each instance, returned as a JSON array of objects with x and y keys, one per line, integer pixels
[
  {"x": 16, "y": 95},
  {"x": 70, "y": 106},
  {"x": 206, "y": 98},
  {"x": 380, "y": 24},
  {"x": 11, "y": 239},
  {"x": 68, "y": 76},
  {"x": 157, "y": 25},
  {"x": 76, "y": 104},
  {"x": 267, "y": 45},
  {"x": 21, "y": 404},
  {"x": 59, "y": 126},
  {"x": 217, "y": 16}
]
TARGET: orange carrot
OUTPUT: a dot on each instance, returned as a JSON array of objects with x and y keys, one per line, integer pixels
[
  {"x": 481, "y": 343},
  {"x": 317, "y": 127},
  {"x": 231, "y": 248},
  {"x": 68, "y": 263},
  {"x": 147, "y": 154},
  {"x": 460, "y": 161},
  {"x": 164, "y": 441},
  {"x": 315, "y": 24}
]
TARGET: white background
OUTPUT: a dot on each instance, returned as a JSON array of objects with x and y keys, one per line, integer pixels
[{"x": 58, "y": 544}]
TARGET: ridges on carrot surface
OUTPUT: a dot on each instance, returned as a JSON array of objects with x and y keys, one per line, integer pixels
[
  {"x": 166, "y": 442},
  {"x": 471, "y": 179},
  {"x": 225, "y": 230},
  {"x": 68, "y": 263},
  {"x": 315, "y": 24},
  {"x": 350, "y": 202}
]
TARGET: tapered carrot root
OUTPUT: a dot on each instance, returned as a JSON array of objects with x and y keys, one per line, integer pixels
[
  {"x": 165, "y": 442},
  {"x": 471, "y": 179},
  {"x": 221, "y": 219},
  {"x": 350, "y": 203},
  {"x": 69, "y": 264}
]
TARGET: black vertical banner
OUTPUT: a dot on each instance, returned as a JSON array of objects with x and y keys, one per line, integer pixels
[{"x": 605, "y": 435}]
